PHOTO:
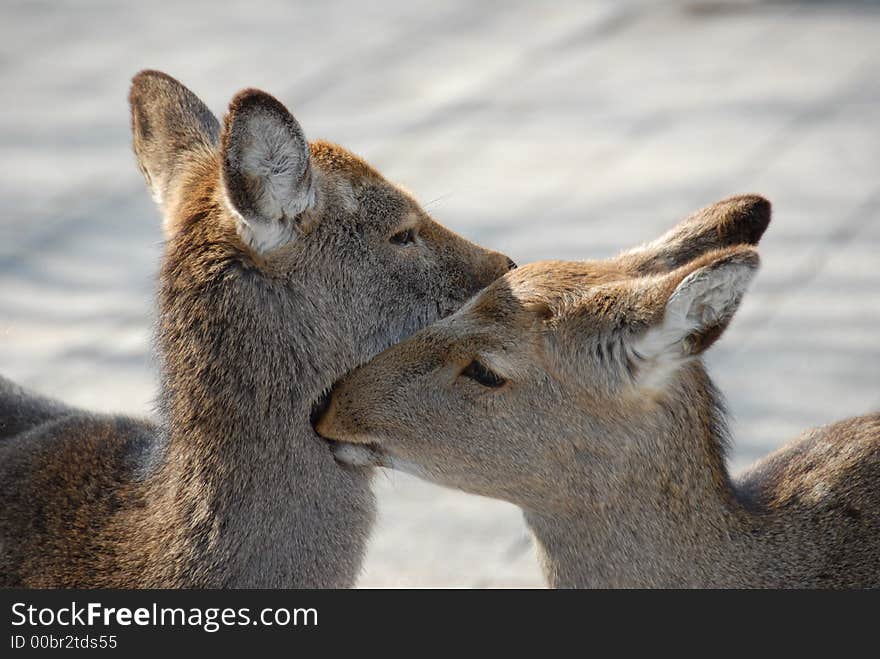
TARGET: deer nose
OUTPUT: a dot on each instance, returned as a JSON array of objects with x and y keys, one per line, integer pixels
[{"x": 511, "y": 264}]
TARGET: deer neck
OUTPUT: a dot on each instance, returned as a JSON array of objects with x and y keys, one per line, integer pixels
[
  {"x": 241, "y": 492},
  {"x": 671, "y": 519}
]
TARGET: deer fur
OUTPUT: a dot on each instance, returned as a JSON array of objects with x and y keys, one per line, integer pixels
[
  {"x": 576, "y": 391},
  {"x": 286, "y": 264}
]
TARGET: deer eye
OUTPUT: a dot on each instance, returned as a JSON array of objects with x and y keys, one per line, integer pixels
[
  {"x": 405, "y": 237},
  {"x": 478, "y": 372}
]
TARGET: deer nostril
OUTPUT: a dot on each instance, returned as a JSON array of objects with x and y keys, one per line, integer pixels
[{"x": 511, "y": 264}]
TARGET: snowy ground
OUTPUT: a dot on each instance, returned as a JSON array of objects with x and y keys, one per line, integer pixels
[{"x": 564, "y": 129}]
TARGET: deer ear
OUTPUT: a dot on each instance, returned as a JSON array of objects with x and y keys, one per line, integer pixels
[
  {"x": 739, "y": 220},
  {"x": 168, "y": 123},
  {"x": 697, "y": 303},
  {"x": 266, "y": 170}
]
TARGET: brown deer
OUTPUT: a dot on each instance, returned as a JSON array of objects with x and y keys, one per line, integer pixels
[
  {"x": 576, "y": 391},
  {"x": 285, "y": 265}
]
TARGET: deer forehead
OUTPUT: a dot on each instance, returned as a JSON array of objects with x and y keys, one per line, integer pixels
[
  {"x": 334, "y": 158},
  {"x": 353, "y": 184},
  {"x": 539, "y": 290}
]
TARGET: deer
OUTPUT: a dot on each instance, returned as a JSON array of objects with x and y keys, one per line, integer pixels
[
  {"x": 577, "y": 391},
  {"x": 285, "y": 264}
]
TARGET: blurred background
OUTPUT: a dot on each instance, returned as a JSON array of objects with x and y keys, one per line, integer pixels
[{"x": 545, "y": 130}]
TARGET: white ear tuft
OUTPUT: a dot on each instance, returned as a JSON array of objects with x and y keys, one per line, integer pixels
[
  {"x": 696, "y": 313},
  {"x": 706, "y": 297},
  {"x": 266, "y": 170}
]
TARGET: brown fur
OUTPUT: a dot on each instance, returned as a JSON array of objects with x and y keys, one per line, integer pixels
[
  {"x": 608, "y": 432},
  {"x": 230, "y": 487}
]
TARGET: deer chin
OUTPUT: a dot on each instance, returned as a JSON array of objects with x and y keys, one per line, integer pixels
[
  {"x": 359, "y": 455},
  {"x": 373, "y": 455}
]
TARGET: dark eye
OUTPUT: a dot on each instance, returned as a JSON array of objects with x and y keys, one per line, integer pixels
[
  {"x": 478, "y": 372},
  {"x": 405, "y": 237}
]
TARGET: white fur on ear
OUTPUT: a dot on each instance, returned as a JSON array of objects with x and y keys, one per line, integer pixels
[
  {"x": 267, "y": 174},
  {"x": 703, "y": 302}
]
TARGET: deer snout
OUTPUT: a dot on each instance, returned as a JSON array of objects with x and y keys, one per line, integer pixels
[
  {"x": 503, "y": 264},
  {"x": 335, "y": 421},
  {"x": 349, "y": 445},
  {"x": 324, "y": 421},
  {"x": 494, "y": 266}
]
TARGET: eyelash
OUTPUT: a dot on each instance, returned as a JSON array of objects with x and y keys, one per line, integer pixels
[
  {"x": 405, "y": 237},
  {"x": 483, "y": 375}
]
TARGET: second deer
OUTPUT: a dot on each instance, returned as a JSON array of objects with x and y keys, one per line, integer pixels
[{"x": 576, "y": 391}]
